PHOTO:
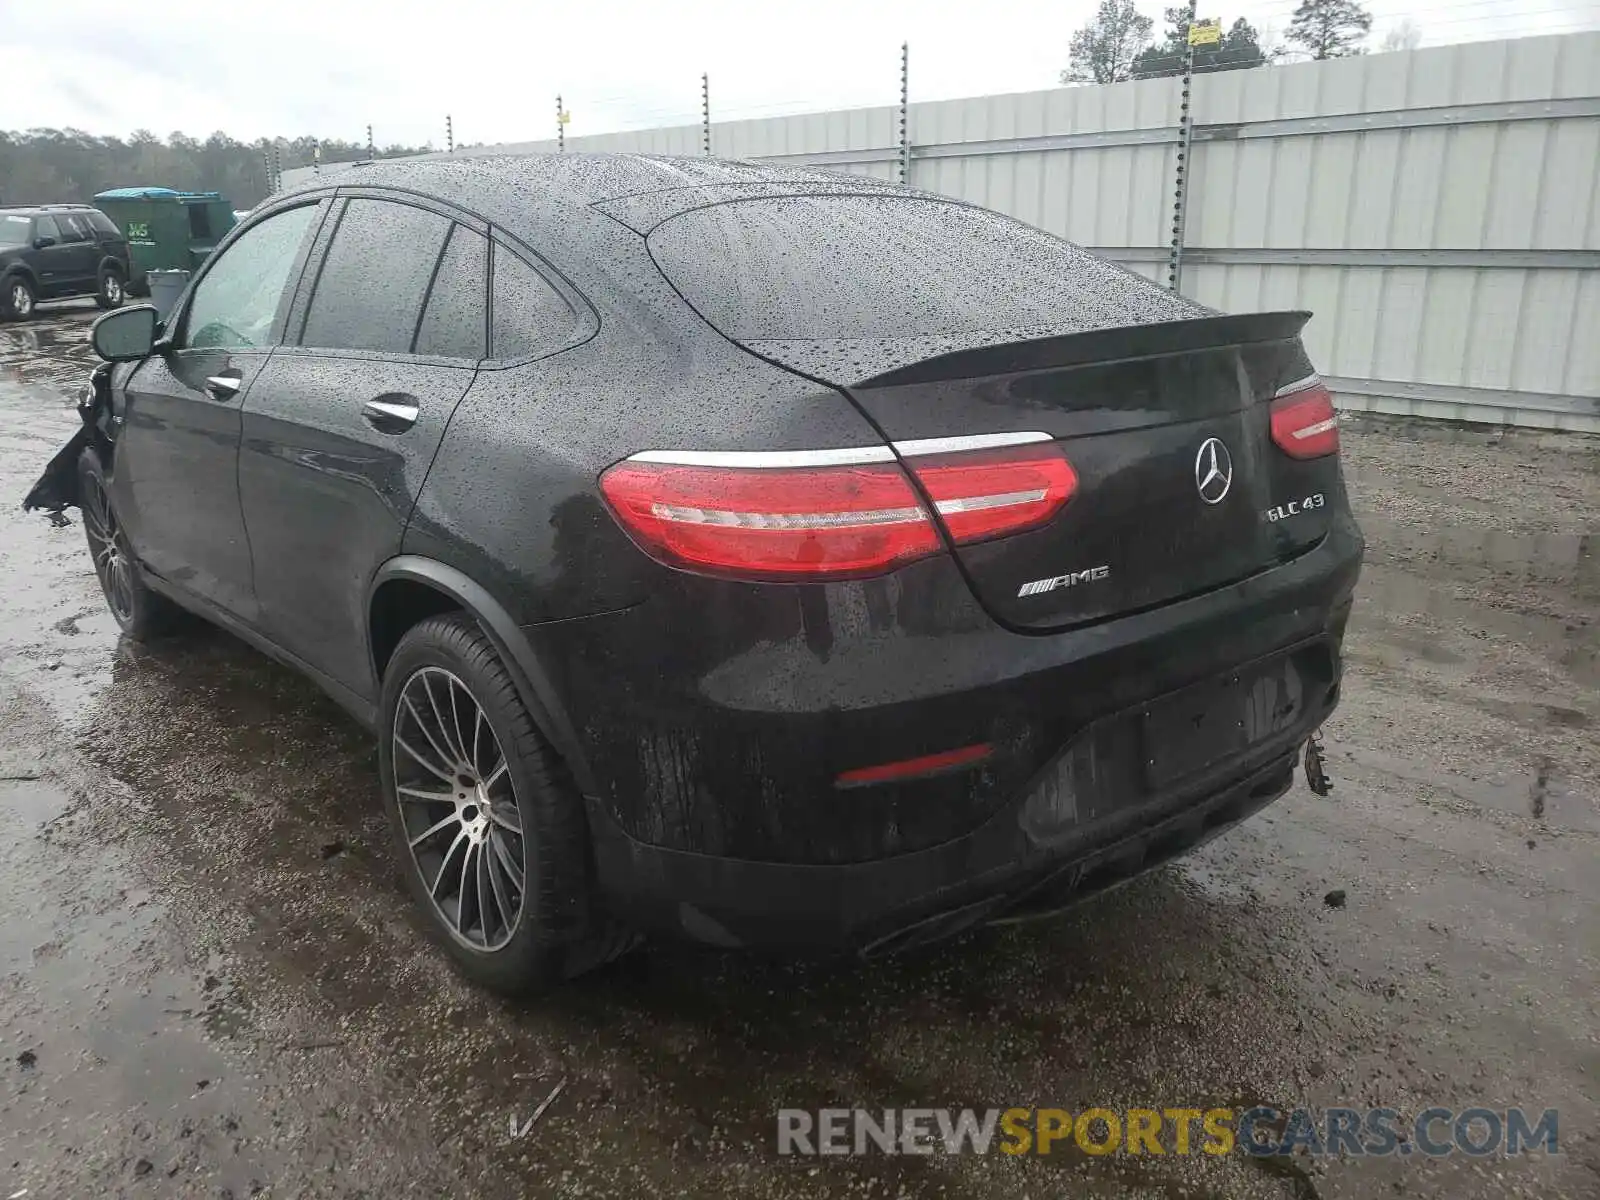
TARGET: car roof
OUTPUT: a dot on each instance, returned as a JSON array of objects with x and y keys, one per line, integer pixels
[
  {"x": 521, "y": 192},
  {"x": 33, "y": 210},
  {"x": 579, "y": 178},
  {"x": 570, "y": 206}
]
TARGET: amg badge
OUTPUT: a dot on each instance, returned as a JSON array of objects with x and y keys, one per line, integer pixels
[{"x": 1072, "y": 578}]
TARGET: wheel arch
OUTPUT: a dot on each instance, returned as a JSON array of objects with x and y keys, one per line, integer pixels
[
  {"x": 401, "y": 576},
  {"x": 23, "y": 269}
]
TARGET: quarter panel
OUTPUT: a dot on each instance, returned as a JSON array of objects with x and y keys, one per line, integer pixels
[{"x": 513, "y": 498}]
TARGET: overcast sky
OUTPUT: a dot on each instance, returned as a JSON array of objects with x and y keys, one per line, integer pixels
[{"x": 328, "y": 67}]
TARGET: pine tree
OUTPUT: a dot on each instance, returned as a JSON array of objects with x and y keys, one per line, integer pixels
[
  {"x": 1103, "y": 50},
  {"x": 1330, "y": 28},
  {"x": 1240, "y": 48}
]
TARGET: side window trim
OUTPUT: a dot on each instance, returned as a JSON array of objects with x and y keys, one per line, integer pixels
[
  {"x": 398, "y": 195},
  {"x": 294, "y": 327},
  {"x": 585, "y": 325},
  {"x": 279, "y": 329},
  {"x": 427, "y": 292}
]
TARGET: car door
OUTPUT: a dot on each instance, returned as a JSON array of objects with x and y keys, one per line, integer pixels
[
  {"x": 175, "y": 480},
  {"x": 51, "y": 261},
  {"x": 340, "y": 429},
  {"x": 80, "y": 259}
]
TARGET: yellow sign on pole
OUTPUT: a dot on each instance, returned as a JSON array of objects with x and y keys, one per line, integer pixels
[
  {"x": 1205, "y": 33},
  {"x": 563, "y": 117}
]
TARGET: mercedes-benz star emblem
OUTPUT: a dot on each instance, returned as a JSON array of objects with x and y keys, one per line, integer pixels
[{"x": 1213, "y": 470}]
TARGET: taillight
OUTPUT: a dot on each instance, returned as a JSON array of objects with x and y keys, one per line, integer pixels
[
  {"x": 1304, "y": 424},
  {"x": 832, "y": 514},
  {"x": 985, "y": 494}
]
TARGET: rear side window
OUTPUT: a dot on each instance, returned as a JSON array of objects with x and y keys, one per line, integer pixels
[
  {"x": 103, "y": 224},
  {"x": 370, "y": 292},
  {"x": 74, "y": 228},
  {"x": 530, "y": 316},
  {"x": 455, "y": 320},
  {"x": 842, "y": 267}
]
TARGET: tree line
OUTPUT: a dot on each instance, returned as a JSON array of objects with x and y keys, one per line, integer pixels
[
  {"x": 57, "y": 166},
  {"x": 65, "y": 166},
  {"x": 1118, "y": 44}
]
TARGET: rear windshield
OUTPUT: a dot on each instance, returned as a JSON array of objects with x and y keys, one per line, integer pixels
[{"x": 850, "y": 267}]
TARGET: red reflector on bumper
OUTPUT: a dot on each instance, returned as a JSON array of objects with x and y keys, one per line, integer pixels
[{"x": 912, "y": 768}]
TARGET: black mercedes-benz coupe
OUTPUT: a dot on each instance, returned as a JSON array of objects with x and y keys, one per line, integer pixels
[{"x": 765, "y": 555}]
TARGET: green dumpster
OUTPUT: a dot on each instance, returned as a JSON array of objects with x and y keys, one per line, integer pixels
[{"x": 166, "y": 230}]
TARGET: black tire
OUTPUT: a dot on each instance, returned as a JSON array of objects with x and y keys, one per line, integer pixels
[
  {"x": 112, "y": 291},
  {"x": 141, "y": 613},
  {"x": 17, "y": 298},
  {"x": 555, "y": 932}
]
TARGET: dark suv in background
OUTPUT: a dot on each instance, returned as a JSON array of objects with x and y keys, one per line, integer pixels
[{"x": 57, "y": 252}]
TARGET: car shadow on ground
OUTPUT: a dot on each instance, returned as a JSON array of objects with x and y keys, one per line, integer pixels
[{"x": 263, "y": 797}]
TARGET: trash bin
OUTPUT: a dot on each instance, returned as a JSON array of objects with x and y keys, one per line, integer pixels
[
  {"x": 165, "y": 288},
  {"x": 166, "y": 230}
]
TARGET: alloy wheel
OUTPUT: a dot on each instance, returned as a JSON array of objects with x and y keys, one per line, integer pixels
[
  {"x": 458, "y": 808},
  {"x": 113, "y": 289},
  {"x": 106, "y": 543},
  {"x": 21, "y": 300}
]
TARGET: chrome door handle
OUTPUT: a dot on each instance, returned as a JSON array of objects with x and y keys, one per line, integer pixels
[
  {"x": 391, "y": 416},
  {"x": 224, "y": 387}
]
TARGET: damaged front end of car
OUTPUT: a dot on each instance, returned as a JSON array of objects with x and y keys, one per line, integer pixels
[{"x": 57, "y": 487}]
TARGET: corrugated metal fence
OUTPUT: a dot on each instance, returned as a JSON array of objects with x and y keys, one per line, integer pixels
[{"x": 1438, "y": 210}]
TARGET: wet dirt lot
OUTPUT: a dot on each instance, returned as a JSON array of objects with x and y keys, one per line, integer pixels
[{"x": 211, "y": 983}]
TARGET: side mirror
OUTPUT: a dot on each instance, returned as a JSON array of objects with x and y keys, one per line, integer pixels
[
  {"x": 125, "y": 334},
  {"x": 39, "y": 243}
]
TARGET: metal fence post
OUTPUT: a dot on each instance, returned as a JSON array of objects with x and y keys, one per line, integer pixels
[
  {"x": 905, "y": 96},
  {"x": 371, "y": 150},
  {"x": 316, "y": 157},
  {"x": 1185, "y": 140},
  {"x": 561, "y": 127},
  {"x": 705, "y": 114},
  {"x": 277, "y": 168},
  {"x": 449, "y": 135},
  {"x": 266, "y": 166}
]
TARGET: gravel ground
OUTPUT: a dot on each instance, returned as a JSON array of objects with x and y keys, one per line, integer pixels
[{"x": 211, "y": 983}]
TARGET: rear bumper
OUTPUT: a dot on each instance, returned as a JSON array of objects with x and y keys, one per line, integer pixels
[
  {"x": 716, "y": 717},
  {"x": 1012, "y": 867}
]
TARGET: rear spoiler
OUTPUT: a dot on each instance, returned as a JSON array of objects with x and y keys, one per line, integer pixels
[{"x": 1097, "y": 346}]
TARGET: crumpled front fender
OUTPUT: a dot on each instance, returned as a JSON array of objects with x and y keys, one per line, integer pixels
[{"x": 57, "y": 488}]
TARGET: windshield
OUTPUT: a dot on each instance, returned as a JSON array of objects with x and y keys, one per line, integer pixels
[{"x": 14, "y": 229}]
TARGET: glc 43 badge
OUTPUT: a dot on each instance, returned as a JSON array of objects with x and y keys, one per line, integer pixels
[{"x": 1295, "y": 507}]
